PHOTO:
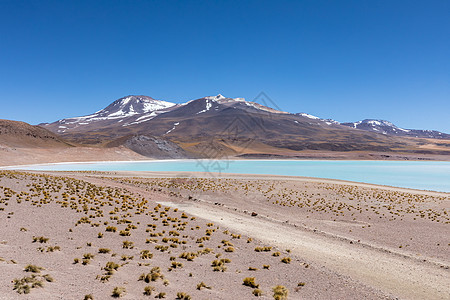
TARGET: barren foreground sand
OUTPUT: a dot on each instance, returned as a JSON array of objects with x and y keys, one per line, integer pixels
[{"x": 75, "y": 235}]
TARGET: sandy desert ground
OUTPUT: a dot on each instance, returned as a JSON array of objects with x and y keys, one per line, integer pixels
[{"x": 141, "y": 235}]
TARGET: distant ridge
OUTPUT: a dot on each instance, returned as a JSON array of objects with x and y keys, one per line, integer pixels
[
  {"x": 222, "y": 126},
  {"x": 18, "y": 134},
  {"x": 386, "y": 127}
]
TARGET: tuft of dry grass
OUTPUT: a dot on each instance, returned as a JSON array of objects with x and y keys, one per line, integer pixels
[
  {"x": 280, "y": 292},
  {"x": 183, "y": 296},
  {"x": 118, "y": 292},
  {"x": 250, "y": 281},
  {"x": 286, "y": 260},
  {"x": 202, "y": 285},
  {"x": 33, "y": 269},
  {"x": 148, "y": 290},
  {"x": 257, "y": 292},
  {"x": 104, "y": 250}
]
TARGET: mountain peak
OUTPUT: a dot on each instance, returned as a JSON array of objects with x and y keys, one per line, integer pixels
[
  {"x": 133, "y": 105},
  {"x": 134, "y": 98},
  {"x": 132, "y": 108},
  {"x": 221, "y": 97},
  {"x": 377, "y": 122}
]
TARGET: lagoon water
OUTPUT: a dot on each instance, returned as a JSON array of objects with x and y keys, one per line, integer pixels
[{"x": 410, "y": 174}]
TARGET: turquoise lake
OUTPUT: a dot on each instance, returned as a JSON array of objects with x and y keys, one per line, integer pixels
[{"x": 409, "y": 174}]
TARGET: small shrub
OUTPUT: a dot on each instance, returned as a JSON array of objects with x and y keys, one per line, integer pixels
[
  {"x": 276, "y": 253},
  {"x": 229, "y": 249},
  {"x": 40, "y": 239},
  {"x": 124, "y": 233},
  {"x": 118, "y": 292},
  {"x": 21, "y": 285},
  {"x": 88, "y": 256},
  {"x": 111, "y": 267},
  {"x": 263, "y": 249},
  {"x": 155, "y": 274},
  {"x": 257, "y": 292},
  {"x": 104, "y": 250},
  {"x": 25, "y": 284},
  {"x": 202, "y": 285},
  {"x": 286, "y": 260},
  {"x": 148, "y": 290},
  {"x": 53, "y": 248},
  {"x": 33, "y": 269},
  {"x": 190, "y": 256},
  {"x": 127, "y": 245},
  {"x": 111, "y": 229},
  {"x": 219, "y": 268},
  {"x": 176, "y": 264},
  {"x": 89, "y": 297},
  {"x": 105, "y": 278},
  {"x": 250, "y": 281},
  {"x": 146, "y": 254},
  {"x": 183, "y": 296},
  {"x": 280, "y": 292},
  {"x": 126, "y": 257}
]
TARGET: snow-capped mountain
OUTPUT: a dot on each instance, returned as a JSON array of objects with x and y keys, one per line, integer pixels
[
  {"x": 130, "y": 106},
  {"x": 207, "y": 116},
  {"x": 223, "y": 118},
  {"x": 215, "y": 104},
  {"x": 127, "y": 111},
  {"x": 386, "y": 127}
]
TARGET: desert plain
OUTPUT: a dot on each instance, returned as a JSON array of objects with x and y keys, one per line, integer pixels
[{"x": 145, "y": 235}]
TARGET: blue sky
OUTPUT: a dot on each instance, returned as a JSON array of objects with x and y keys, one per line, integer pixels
[{"x": 346, "y": 60}]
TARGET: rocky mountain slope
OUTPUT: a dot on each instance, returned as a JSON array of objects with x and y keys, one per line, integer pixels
[
  {"x": 123, "y": 112},
  {"x": 220, "y": 126}
]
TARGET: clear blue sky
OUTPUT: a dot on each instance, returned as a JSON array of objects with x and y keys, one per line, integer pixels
[{"x": 346, "y": 60}]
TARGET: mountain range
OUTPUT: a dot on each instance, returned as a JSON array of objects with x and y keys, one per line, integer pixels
[
  {"x": 221, "y": 126},
  {"x": 386, "y": 127}
]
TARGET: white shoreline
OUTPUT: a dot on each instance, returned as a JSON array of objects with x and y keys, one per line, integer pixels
[{"x": 16, "y": 167}]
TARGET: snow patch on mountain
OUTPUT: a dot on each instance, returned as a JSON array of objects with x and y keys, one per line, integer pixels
[
  {"x": 382, "y": 126},
  {"x": 309, "y": 116},
  {"x": 208, "y": 105},
  {"x": 174, "y": 126}
]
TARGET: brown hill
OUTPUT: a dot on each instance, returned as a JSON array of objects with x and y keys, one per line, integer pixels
[
  {"x": 23, "y": 144},
  {"x": 16, "y": 134}
]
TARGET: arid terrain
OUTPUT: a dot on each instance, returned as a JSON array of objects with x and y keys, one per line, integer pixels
[
  {"x": 141, "y": 235},
  {"x": 23, "y": 144}
]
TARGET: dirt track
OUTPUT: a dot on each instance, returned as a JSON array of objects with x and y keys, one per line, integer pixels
[{"x": 400, "y": 276}]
